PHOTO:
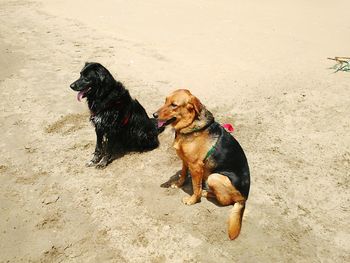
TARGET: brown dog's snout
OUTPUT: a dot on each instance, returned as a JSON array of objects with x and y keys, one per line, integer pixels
[{"x": 155, "y": 115}]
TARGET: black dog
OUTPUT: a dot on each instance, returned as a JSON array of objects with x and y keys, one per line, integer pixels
[{"x": 121, "y": 123}]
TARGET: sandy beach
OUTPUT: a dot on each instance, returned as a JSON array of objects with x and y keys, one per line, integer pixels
[{"x": 260, "y": 65}]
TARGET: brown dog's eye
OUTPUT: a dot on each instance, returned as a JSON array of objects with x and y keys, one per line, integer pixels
[{"x": 173, "y": 105}]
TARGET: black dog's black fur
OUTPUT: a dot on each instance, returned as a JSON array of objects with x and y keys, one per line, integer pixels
[{"x": 121, "y": 123}]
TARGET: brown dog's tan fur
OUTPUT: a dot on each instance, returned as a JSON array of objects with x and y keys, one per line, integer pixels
[{"x": 192, "y": 147}]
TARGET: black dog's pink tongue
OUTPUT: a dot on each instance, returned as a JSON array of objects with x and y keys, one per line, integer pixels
[
  {"x": 80, "y": 95},
  {"x": 160, "y": 124}
]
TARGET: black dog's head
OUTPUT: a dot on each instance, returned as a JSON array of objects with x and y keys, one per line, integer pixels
[{"x": 92, "y": 80}]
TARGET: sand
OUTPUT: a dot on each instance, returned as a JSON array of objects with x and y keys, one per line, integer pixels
[{"x": 260, "y": 65}]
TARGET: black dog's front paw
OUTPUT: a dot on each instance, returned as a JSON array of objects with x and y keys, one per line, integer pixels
[
  {"x": 90, "y": 164},
  {"x": 94, "y": 161},
  {"x": 103, "y": 163}
]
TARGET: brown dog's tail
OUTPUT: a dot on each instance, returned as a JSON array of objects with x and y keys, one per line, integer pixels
[{"x": 235, "y": 220}]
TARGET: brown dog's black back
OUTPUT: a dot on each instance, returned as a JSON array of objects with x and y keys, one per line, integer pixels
[{"x": 230, "y": 160}]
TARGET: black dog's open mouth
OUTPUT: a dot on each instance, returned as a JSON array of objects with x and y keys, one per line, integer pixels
[
  {"x": 165, "y": 123},
  {"x": 82, "y": 93}
]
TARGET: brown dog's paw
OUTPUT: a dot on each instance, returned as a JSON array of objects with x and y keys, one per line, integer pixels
[
  {"x": 190, "y": 200},
  {"x": 205, "y": 193},
  {"x": 208, "y": 194},
  {"x": 177, "y": 184}
]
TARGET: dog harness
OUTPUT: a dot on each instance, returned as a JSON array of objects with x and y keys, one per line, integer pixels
[
  {"x": 228, "y": 127},
  {"x": 202, "y": 126},
  {"x": 213, "y": 148},
  {"x": 210, "y": 152}
]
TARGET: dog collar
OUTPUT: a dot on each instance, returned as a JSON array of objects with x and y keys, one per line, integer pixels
[
  {"x": 203, "y": 121},
  {"x": 126, "y": 120},
  {"x": 210, "y": 152},
  {"x": 196, "y": 129}
]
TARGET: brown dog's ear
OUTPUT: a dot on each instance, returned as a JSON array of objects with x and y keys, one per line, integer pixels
[{"x": 197, "y": 105}]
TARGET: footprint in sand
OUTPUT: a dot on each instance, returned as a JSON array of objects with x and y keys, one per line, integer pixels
[
  {"x": 52, "y": 220},
  {"x": 68, "y": 124}
]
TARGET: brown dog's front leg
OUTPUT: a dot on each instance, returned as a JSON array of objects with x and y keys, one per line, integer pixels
[
  {"x": 180, "y": 182},
  {"x": 197, "y": 177}
]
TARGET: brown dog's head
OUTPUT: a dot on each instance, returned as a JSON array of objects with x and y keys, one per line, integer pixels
[{"x": 180, "y": 110}]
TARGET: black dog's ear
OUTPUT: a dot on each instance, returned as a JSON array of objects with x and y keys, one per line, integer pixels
[
  {"x": 101, "y": 72},
  {"x": 87, "y": 64}
]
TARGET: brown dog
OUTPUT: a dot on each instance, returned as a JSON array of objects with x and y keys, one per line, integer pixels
[{"x": 209, "y": 152}]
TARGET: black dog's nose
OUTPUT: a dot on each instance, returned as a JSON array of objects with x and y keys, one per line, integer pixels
[
  {"x": 155, "y": 115},
  {"x": 72, "y": 86}
]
